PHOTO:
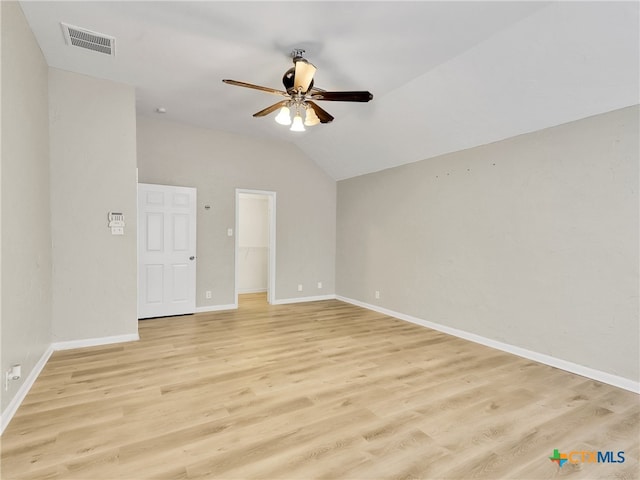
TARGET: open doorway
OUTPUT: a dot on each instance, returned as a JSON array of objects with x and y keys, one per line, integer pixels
[{"x": 255, "y": 243}]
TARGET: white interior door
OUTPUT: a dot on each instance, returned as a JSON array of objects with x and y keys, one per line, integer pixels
[{"x": 166, "y": 250}]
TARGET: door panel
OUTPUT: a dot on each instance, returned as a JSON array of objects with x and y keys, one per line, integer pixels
[
  {"x": 180, "y": 233},
  {"x": 166, "y": 250},
  {"x": 155, "y": 232},
  {"x": 180, "y": 275},
  {"x": 155, "y": 281}
]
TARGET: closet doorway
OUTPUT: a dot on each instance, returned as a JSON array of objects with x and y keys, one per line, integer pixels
[{"x": 255, "y": 244}]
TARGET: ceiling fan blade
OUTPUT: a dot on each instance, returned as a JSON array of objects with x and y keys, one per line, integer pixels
[
  {"x": 323, "y": 115},
  {"x": 303, "y": 75},
  {"x": 270, "y": 109},
  {"x": 355, "y": 96},
  {"x": 256, "y": 87}
]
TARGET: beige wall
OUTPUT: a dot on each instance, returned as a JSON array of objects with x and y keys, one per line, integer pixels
[
  {"x": 216, "y": 164},
  {"x": 26, "y": 237},
  {"x": 93, "y": 171},
  {"x": 531, "y": 241}
]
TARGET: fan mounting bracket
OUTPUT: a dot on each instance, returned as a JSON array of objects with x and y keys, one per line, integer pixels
[{"x": 297, "y": 53}]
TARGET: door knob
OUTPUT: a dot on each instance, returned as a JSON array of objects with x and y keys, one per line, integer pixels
[{"x": 192, "y": 257}]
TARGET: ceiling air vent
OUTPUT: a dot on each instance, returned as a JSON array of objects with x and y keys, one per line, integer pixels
[{"x": 83, "y": 38}]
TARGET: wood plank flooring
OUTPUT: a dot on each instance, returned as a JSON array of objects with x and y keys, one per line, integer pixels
[{"x": 321, "y": 390}]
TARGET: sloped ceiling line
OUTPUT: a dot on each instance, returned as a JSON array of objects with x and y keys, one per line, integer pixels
[{"x": 445, "y": 75}]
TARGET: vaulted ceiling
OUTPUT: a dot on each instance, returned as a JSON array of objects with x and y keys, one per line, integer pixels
[{"x": 445, "y": 75}]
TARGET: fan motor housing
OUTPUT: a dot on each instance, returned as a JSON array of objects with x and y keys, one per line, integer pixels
[{"x": 288, "y": 81}]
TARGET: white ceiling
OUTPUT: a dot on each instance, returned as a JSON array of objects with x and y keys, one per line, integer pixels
[{"x": 445, "y": 75}]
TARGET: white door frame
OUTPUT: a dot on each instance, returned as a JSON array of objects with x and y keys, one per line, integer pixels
[{"x": 271, "y": 261}]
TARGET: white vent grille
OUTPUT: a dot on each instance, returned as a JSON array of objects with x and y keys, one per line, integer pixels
[{"x": 83, "y": 38}]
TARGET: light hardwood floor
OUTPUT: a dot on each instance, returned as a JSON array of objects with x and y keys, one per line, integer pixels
[{"x": 317, "y": 390}]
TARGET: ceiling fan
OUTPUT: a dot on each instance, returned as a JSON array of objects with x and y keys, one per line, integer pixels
[{"x": 301, "y": 95}]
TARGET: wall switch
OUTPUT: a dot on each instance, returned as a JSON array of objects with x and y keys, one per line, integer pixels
[
  {"x": 300, "y": 287},
  {"x": 229, "y": 232},
  {"x": 319, "y": 284},
  {"x": 207, "y": 294},
  {"x": 377, "y": 294}
]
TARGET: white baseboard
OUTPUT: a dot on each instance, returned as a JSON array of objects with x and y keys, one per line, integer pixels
[
  {"x": 284, "y": 301},
  {"x": 600, "y": 376},
  {"x": 20, "y": 395},
  {"x": 94, "y": 342},
  {"x": 12, "y": 408},
  {"x": 217, "y": 308},
  {"x": 251, "y": 290}
]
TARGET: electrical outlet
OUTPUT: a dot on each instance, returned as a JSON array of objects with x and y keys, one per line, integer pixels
[
  {"x": 207, "y": 294},
  {"x": 319, "y": 284},
  {"x": 377, "y": 294},
  {"x": 14, "y": 373},
  {"x": 300, "y": 287}
]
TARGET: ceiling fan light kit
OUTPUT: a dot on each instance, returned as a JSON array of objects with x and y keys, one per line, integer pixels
[
  {"x": 297, "y": 125},
  {"x": 301, "y": 95},
  {"x": 284, "y": 116},
  {"x": 311, "y": 118}
]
